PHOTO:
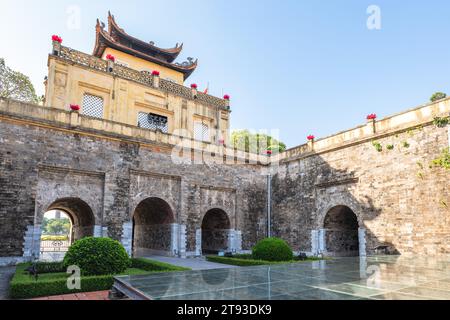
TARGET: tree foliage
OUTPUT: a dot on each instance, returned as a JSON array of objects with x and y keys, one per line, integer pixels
[
  {"x": 56, "y": 226},
  {"x": 15, "y": 85},
  {"x": 255, "y": 142},
  {"x": 438, "y": 96}
]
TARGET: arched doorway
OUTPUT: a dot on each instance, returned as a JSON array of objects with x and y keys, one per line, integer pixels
[
  {"x": 65, "y": 221},
  {"x": 341, "y": 232},
  {"x": 152, "y": 230},
  {"x": 215, "y": 230}
]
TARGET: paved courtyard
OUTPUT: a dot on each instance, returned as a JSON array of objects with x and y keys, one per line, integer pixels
[{"x": 379, "y": 278}]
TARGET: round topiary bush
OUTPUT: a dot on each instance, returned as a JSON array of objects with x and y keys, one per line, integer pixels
[
  {"x": 272, "y": 249},
  {"x": 97, "y": 256}
]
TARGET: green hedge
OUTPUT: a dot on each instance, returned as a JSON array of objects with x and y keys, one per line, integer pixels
[
  {"x": 243, "y": 262},
  {"x": 151, "y": 265},
  {"x": 246, "y": 260},
  {"x": 52, "y": 278}
]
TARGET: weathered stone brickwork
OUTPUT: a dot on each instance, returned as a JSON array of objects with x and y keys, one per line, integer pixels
[
  {"x": 399, "y": 201},
  {"x": 101, "y": 175},
  {"x": 45, "y": 166}
]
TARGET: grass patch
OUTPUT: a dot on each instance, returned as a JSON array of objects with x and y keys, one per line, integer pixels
[
  {"x": 245, "y": 260},
  {"x": 52, "y": 278}
]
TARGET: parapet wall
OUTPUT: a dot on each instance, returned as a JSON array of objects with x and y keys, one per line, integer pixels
[{"x": 419, "y": 116}]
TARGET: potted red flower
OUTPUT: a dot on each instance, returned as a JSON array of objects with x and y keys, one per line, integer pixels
[
  {"x": 194, "y": 90},
  {"x": 310, "y": 137},
  {"x": 155, "y": 74},
  {"x": 56, "y": 38},
  {"x": 372, "y": 116},
  {"x": 110, "y": 57},
  {"x": 226, "y": 97},
  {"x": 74, "y": 107}
]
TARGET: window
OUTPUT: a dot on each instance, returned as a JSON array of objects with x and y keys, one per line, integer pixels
[
  {"x": 92, "y": 106},
  {"x": 153, "y": 121},
  {"x": 201, "y": 131}
]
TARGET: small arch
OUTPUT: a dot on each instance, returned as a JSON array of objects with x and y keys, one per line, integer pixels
[
  {"x": 341, "y": 232},
  {"x": 152, "y": 232},
  {"x": 80, "y": 213},
  {"x": 82, "y": 223},
  {"x": 216, "y": 226}
]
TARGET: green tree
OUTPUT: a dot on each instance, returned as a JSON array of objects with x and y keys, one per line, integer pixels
[
  {"x": 15, "y": 85},
  {"x": 438, "y": 96},
  {"x": 255, "y": 142},
  {"x": 56, "y": 226}
]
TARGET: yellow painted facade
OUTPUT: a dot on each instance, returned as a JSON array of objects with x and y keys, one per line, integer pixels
[{"x": 70, "y": 83}]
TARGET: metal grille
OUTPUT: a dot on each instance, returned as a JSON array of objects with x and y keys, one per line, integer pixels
[
  {"x": 153, "y": 121},
  {"x": 201, "y": 131},
  {"x": 93, "y": 106}
]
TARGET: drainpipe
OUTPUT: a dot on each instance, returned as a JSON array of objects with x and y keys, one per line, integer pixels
[{"x": 269, "y": 205}]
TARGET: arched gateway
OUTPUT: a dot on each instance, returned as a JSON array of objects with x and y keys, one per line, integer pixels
[
  {"x": 82, "y": 223},
  {"x": 215, "y": 231},
  {"x": 341, "y": 232},
  {"x": 152, "y": 228}
]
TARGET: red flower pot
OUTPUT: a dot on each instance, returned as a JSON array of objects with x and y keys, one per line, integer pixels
[
  {"x": 269, "y": 152},
  {"x": 310, "y": 137},
  {"x": 155, "y": 73},
  {"x": 194, "y": 86},
  {"x": 372, "y": 116},
  {"x": 226, "y": 97},
  {"x": 74, "y": 107}
]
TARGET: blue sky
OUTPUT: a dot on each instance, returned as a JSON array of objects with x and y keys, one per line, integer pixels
[{"x": 303, "y": 67}]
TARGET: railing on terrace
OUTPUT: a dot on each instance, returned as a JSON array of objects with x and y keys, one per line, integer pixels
[{"x": 144, "y": 78}]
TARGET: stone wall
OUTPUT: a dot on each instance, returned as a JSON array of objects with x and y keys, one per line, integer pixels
[
  {"x": 42, "y": 161},
  {"x": 399, "y": 200},
  {"x": 52, "y": 158}
]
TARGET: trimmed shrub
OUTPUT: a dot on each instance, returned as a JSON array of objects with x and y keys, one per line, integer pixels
[
  {"x": 50, "y": 267},
  {"x": 272, "y": 249},
  {"x": 31, "y": 289},
  {"x": 97, "y": 256},
  {"x": 242, "y": 262},
  {"x": 151, "y": 265}
]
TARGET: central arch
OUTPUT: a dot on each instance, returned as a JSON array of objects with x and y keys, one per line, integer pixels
[
  {"x": 152, "y": 230},
  {"x": 215, "y": 231},
  {"x": 341, "y": 232}
]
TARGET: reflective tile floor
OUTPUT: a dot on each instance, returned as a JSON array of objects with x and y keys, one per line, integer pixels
[{"x": 378, "y": 278}]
